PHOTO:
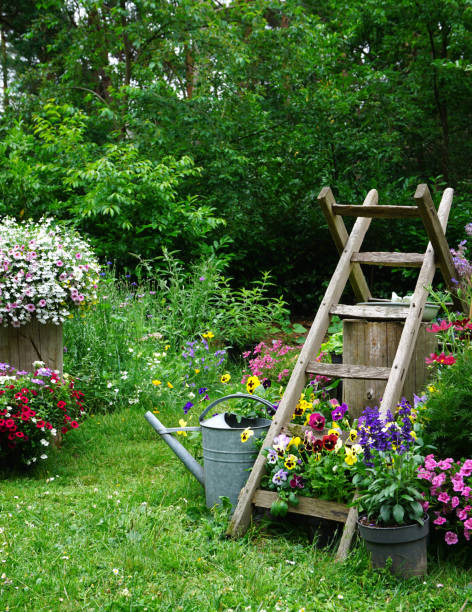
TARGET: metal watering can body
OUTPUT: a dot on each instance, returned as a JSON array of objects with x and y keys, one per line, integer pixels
[{"x": 226, "y": 460}]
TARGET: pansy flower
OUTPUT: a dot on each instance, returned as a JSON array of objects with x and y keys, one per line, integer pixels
[{"x": 317, "y": 421}]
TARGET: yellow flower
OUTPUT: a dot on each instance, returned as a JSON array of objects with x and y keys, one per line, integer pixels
[
  {"x": 170, "y": 385},
  {"x": 413, "y": 435},
  {"x": 290, "y": 462},
  {"x": 167, "y": 347},
  {"x": 225, "y": 378},
  {"x": 197, "y": 370},
  {"x": 432, "y": 389},
  {"x": 246, "y": 434},
  {"x": 350, "y": 457},
  {"x": 334, "y": 425},
  {"x": 295, "y": 442},
  {"x": 155, "y": 411},
  {"x": 333, "y": 431},
  {"x": 182, "y": 423},
  {"x": 252, "y": 383},
  {"x": 279, "y": 449},
  {"x": 208, "y": 335},
  {"x": 353, "y": 435},
  {"x": 156, "y": 382}
]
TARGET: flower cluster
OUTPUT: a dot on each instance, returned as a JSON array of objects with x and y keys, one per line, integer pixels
[
  {"x": 449, "y": 496},
  {"x": 386, "y": 478},
  {"x": 316, "y": 463},
  {"x": 35, "y": 408},
  {"x": 270, "y": 362},
  {"x": 45, "y": 271}
]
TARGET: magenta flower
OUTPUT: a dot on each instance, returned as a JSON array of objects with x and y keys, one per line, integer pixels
[
  {"x": 296, "y": 482},
  {"x": 451, "y": 538},
  {"x": 317, "y": 421},
  {"x": 440, "y": 520},
  {"x": 455, "y": 501}
]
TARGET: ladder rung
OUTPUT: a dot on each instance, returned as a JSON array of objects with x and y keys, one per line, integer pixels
[
  {"x": 379, "y": 258},
  {"x": 308, "y": 506},
  {"x": 360, "y": 311},
  {"x": 336, "y": 370},
  {"x": 375, "y": 211}
]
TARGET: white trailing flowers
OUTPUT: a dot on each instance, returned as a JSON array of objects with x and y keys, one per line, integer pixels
[{"x": 46, "y": 270}]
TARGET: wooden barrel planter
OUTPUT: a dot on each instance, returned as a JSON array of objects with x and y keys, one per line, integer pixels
[
  {"x": 374, "y": 343},
  {"x": 21, "y": 346}
]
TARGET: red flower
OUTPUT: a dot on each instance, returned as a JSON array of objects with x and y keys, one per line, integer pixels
[
  {"x": 442, "y": 359},
  {"x": 10, "y": 423},
  {"x": 443, "y": 326},
  {"x": 462, "y": 325},
  {"x": 19, "y": 434},
  {"x": 2, "y": 391},
  {"x": 64, "y": 430},
  {"x": 329, "y": 442},
  {"x": 61, "y": 404},
  {"x": 74, "y": 424}
]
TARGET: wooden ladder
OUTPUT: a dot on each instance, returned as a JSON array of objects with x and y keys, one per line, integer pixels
[{"x": 437, "y": 254}]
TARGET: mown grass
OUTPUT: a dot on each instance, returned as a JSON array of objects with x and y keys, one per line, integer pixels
[{"x": 114, "y": 522}]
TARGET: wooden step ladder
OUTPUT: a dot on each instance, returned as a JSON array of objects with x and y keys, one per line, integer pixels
[{"x": 436, "y": 255}]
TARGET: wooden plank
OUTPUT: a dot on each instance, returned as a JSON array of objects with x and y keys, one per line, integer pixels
[
  {"x": 340, "y": 236},
  {"x": 343, "y": 370},
  {"x": 309, "y": 506},
  {"x": 410, "y": 330},
  {"x": 381, "y": 258},
  {"x": 242, "y": 514},
  {"x": 437, "y": 238},
  {"x": 360, "y": 311},
  {"x": 378, "y": 212}
]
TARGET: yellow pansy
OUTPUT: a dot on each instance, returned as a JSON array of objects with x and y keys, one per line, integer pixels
[
  {"x": 167, "y": 347},
  {"x": 290, "y": 462},
  {"x": 294, "y": 442},
  {"x": 353, "y": 435},
  {"x": 225, "y": 378},
  {"x": 252, "y": 383},
  {"x": 350, "y": 457},
  {"x": 246, "y": 434}
]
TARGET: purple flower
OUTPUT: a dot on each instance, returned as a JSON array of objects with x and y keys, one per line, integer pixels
[
  {"x": 338, "y": 413},
  {"x": 202, "y": 390},
  {"x": 296, "y": 482},
  {"x": 272, "y": 456},
  {"x": 187, "y": 407},
  {"x": 279, "y": 477},
  {"x": 451, "y": 538},
  {"x": 202, "y": 278}
]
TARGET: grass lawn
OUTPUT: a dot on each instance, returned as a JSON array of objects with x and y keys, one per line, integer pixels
[{"x": 113, "y": 521}]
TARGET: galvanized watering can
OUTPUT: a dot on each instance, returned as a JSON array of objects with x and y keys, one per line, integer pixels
[{"x": 226, "y": 460}]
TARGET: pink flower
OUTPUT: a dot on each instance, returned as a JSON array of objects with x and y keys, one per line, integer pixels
[
  {"x": 467, "y": 534},
  {"x": 443, "y": 497},
  {"x": 461, "y": 514},
  {"x": 59, "y": 263},
  {"x": 430, "y": 462},
  {"x": 451, "y": 538},
  {"x": 445, "y": 464},
  {"x": 466, "y": 491},
  {"x": 42, "y": 303},
  {"x": 424, "y": 474},
  {"x": 317, "y": 421},
  {"x": 439, "y": 480},
  {"x": 440, "y": 520},
  {"x": 443, "y": 326},
  {"x": 30, "y": 307},
  {"x": 79, "y": 256},
  {"x": 455, "y": 501},
  {"x": 468, "y": 524}
]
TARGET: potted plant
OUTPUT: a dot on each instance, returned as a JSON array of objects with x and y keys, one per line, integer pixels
[
  {"x": 392, "y": 518},
  {"x": 46, "y": 272},
  {"x": 36, "y": 409}
]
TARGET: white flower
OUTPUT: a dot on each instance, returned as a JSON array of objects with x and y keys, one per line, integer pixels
[
  {"x": 44, "y": 442},
  {"x": 43, "y": 456},
  {"x": 116, "y": 571}
]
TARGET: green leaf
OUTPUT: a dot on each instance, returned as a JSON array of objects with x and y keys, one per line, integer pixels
[
  {"x": 385, "y": 513},
  {"x": 398, "y": 513},
  {"x": 298, "y": 329}
]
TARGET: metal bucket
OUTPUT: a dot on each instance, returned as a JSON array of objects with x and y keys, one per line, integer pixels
[{"x": 227, "y": 460}]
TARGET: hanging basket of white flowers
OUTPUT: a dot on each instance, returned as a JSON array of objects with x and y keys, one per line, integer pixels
[{"x": 47, "y": 272}]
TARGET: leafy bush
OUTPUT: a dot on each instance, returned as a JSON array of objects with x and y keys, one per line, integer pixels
[{"x": 449, "y": 415}]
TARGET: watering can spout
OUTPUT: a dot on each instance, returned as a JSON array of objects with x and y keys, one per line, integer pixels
[{"x": 182, "y": 453}]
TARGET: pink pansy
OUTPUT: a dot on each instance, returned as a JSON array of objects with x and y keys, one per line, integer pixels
[{"x": 451, "y": 538}]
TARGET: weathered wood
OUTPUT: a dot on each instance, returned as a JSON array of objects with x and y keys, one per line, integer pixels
[
  {"x": 378, "y": 212},
  {"x": 376, "y": 344},
  {"x": 436, "y": 236},
  {"x": 344, "y": 370},
  {"x": 242, "y": 514},
  {"x": 381, "y": 258},
  {"x": 21, "y": 346},
  {"x": 370, "y": 312},
  {"x": 339, "y": 234},
  {"x": 308, "y": 506},
  {"x": 402, "y": 359},
  {"x": 348, "y": 533}
]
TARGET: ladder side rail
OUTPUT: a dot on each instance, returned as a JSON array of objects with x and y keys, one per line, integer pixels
[
  {"x": 412, "y": 324},
  {"x": 437, "y": 238},
  {"x": 340, "y": 237},
  {"x": 242, "y": 513}
]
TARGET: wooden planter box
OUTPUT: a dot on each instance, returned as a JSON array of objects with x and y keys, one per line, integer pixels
[{"x": 21, "y": 346}]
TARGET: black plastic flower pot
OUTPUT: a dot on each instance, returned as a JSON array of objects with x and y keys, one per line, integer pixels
[{"x": 405, "y": 546}]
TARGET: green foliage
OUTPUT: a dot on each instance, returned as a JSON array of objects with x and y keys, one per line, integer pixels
[{"x": 448, "y": 417}]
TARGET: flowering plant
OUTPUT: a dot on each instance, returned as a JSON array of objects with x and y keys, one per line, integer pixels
[
  {"x": 386, "y": 478},
  {"x": 449, "y": 496},
  {"x": 34, "y": 408},
  {"x": 45, "y": 270},
  {"x": 317, "y": 463}
]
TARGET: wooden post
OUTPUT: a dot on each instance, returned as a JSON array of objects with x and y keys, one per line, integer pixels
[{"x": 21, "y": 346}]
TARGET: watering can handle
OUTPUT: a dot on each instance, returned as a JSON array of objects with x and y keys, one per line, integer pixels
[{"x": 256, "y": 398}]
